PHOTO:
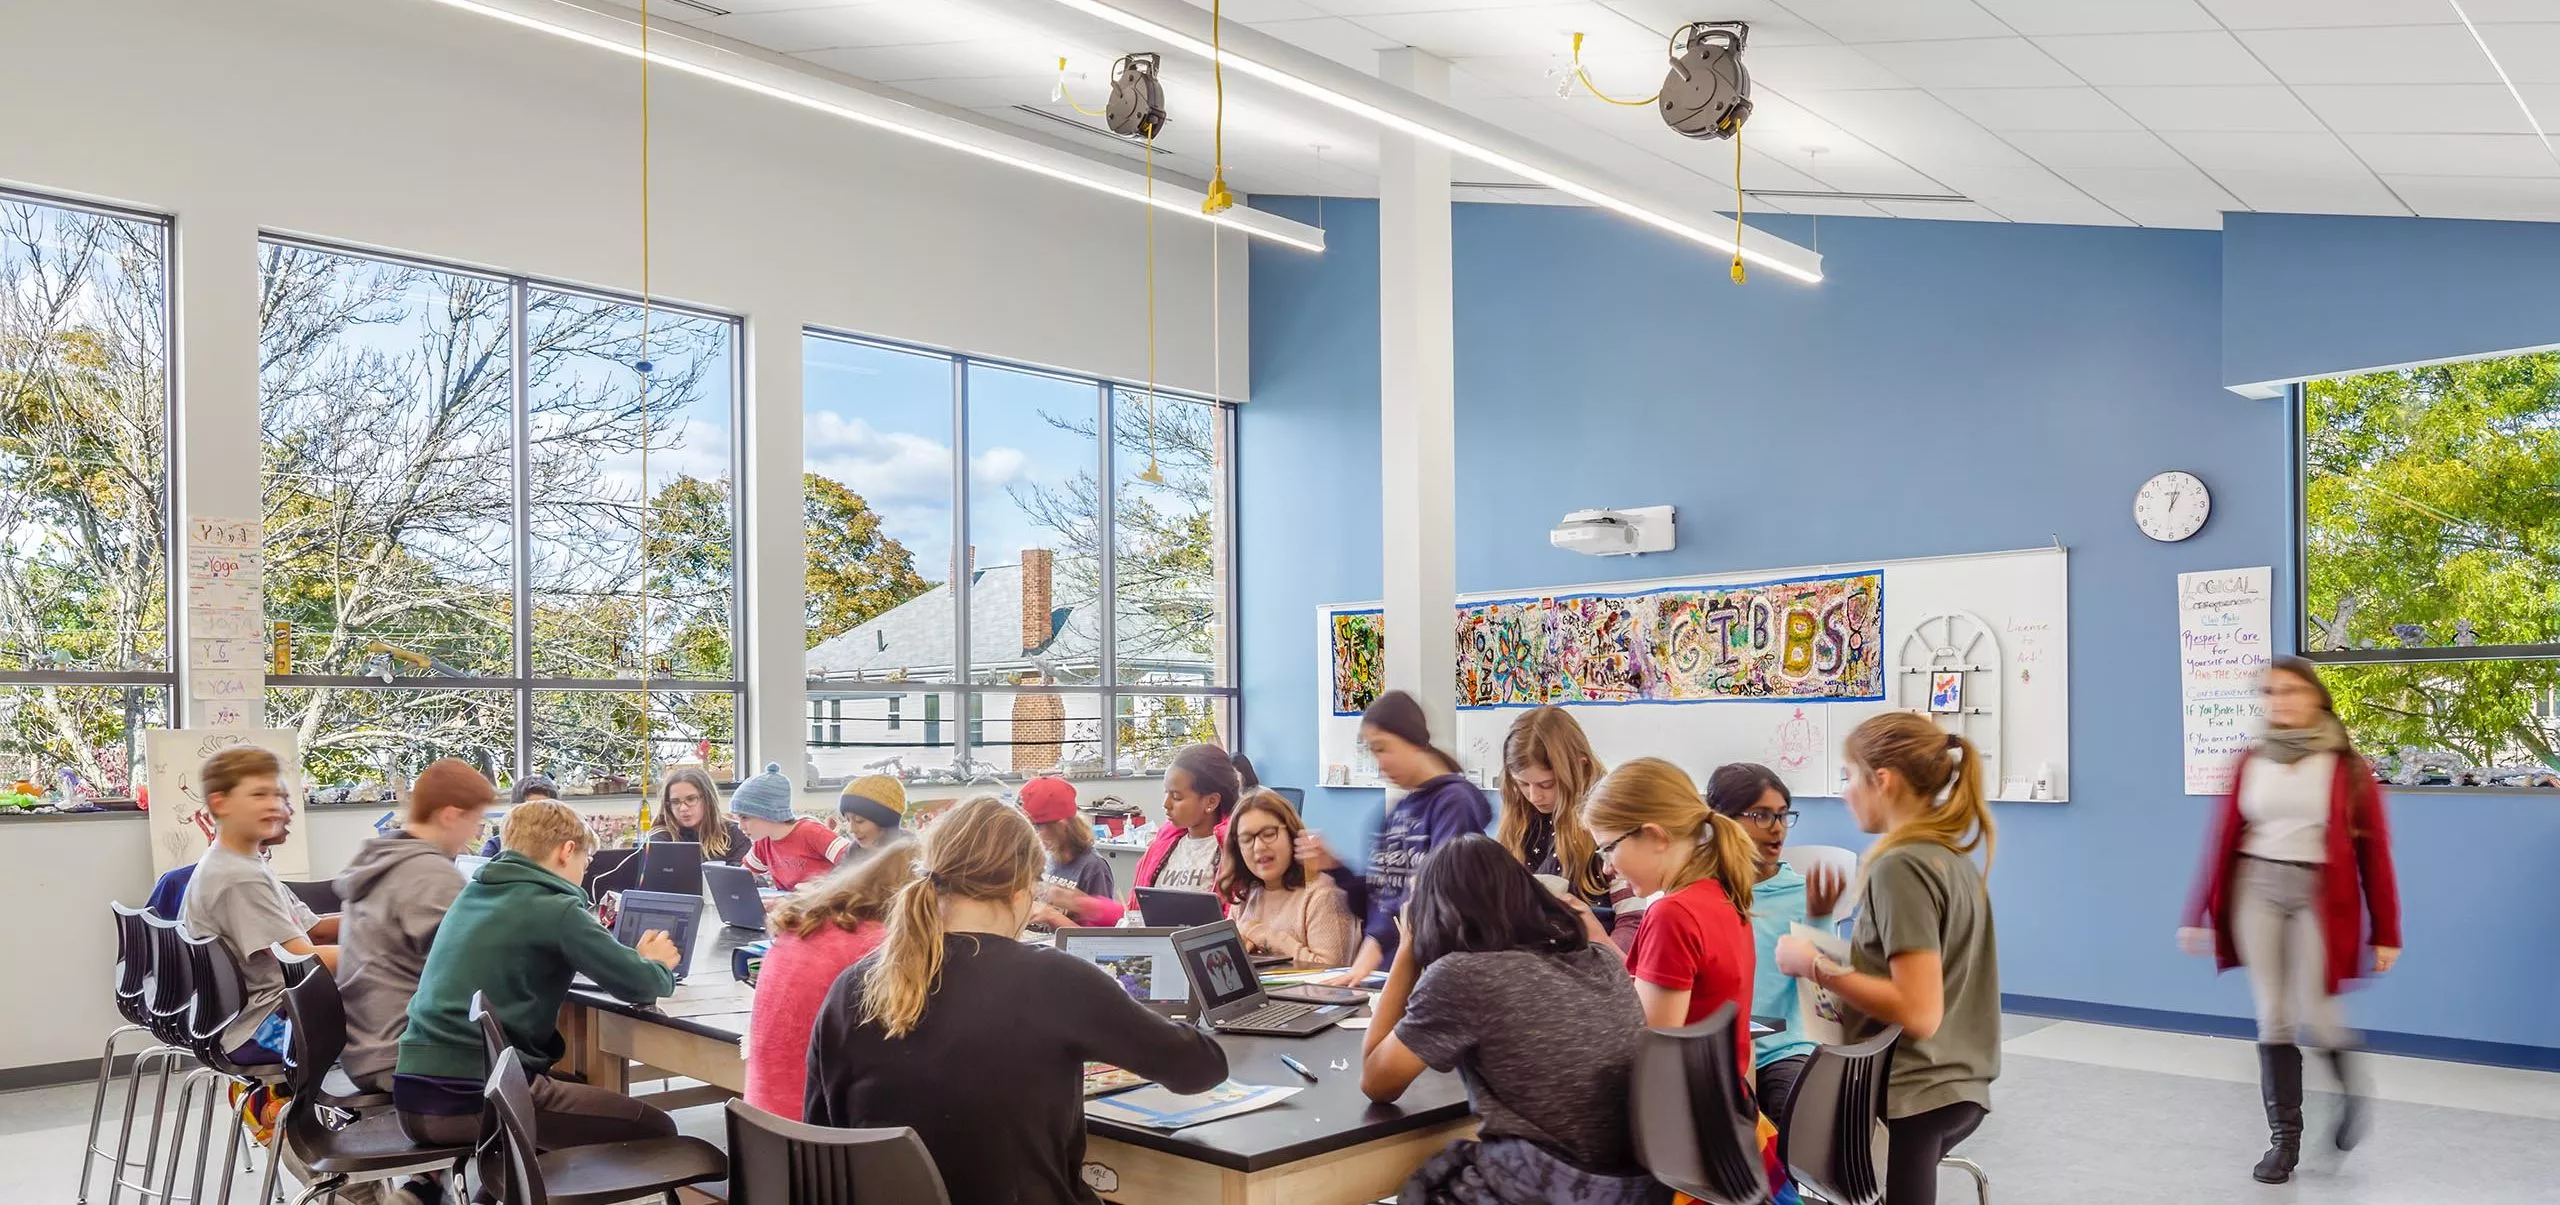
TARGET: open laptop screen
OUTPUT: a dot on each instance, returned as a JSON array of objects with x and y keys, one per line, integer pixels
[
  {"x": 1214, "y": 957},
  {"x": 1140, "y": 959}
]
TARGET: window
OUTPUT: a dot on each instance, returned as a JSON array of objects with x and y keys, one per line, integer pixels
[
  {"x": 1052, "y": 576},
  {"x": 490, "y": 533},
  {"x": 84, "y": 486},
  {"x": 2431, "y": 565}
]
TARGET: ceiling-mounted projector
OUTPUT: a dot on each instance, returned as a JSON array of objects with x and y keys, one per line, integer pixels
[
  {"x": 1708, "y": 94},
  {"x": 1614, "y": 532},
  {"x": 1136, "y": 107}
]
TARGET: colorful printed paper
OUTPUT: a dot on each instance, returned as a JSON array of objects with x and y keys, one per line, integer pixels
[{"x": 1359, "y": 660}]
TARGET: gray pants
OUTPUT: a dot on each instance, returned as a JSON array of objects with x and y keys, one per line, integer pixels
[{"x": 2277, "y": 927}]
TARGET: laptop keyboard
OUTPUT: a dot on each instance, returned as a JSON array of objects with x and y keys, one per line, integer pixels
[{"x": 1271, "y": 1016}]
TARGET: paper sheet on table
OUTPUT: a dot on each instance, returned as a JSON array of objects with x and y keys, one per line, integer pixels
[
  {"x": 1158, "y": 1108},
  {"x": 1353, "y": 1023}
]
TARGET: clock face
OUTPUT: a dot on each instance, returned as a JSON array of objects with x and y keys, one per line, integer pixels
[{"x": 2172, "y": 506}]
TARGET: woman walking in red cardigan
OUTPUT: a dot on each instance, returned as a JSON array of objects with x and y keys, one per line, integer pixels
[{"x": 2301, "y": 860}]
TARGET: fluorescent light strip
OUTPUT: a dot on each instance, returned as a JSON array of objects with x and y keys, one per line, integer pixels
[
  {"x": 2501, "y": 69},
  {"x": 1451, "y": 142},
  {"x": 1175, "y": 204}
]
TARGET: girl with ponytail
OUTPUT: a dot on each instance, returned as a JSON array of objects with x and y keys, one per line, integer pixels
[
  {"x": 930, "y": 1031},
  {"x": 1694, "y": 950},
  {"x": 1924, "y": 956}
]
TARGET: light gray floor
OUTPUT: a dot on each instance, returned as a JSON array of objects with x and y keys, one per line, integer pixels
[{"x": 2084, "y": 1115}]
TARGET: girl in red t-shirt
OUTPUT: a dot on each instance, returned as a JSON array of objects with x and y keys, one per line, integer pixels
[{"x": 1694, "y": 950}]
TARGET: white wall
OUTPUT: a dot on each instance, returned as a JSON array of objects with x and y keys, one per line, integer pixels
[{"x": 411, "y": 127}]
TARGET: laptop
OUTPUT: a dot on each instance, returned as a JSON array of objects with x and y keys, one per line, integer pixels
[
  {"x": 1231, "y": 996},
  {"x": 1140, "y": 959},
  {"x": 735, "y": 894},
  {"x": 678, "y": 916},
  {"x": 612, "y": 870},
  {"x": 469, "y": 865},
  {"x": 1164, "y": 906},
  {"x": 674, "y": 867}
]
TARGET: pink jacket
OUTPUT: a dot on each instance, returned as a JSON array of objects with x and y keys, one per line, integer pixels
[
  {"x": 1106, "y": 913},
  {"x": 789, "y": 991}
]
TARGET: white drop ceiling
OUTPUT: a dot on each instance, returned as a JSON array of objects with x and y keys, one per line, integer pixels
[{"x": 2106, "y": 112}]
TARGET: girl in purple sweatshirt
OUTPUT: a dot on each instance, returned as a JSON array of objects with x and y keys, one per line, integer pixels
[{"x": 1439, "y": 806}]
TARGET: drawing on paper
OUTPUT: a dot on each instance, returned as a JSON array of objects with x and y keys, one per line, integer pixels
[
  {"x": 1502, "y": 653},
  {"x": 1796, "y": 746},
  {"x": 1807, "y": 639},
  {"x": 1359, "y": 660},
  {"x": 1946, "y": 692},
  {"x": 1599, "y": 649}
]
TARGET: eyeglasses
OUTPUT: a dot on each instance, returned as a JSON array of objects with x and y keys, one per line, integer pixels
[
  {"x": 1611, "y": 849},
  {"x": 1268, "y": 836},
  {"x": 1768, "y": 819}
]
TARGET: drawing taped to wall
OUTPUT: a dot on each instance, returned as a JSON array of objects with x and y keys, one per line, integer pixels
[
  {"x": 1596, "y": 653},
  {"x": 1359, "y": 660},
  {"x": 1502, "y": 653}
]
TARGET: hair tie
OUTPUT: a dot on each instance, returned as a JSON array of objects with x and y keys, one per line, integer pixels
[{"x": 1955, "y": 744}]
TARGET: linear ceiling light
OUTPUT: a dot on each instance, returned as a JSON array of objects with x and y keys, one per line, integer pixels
[
  {"x": 1251, "y": 52},
  {"x": 754, "y": 71},
  {"x": 2501, "y": 69}
]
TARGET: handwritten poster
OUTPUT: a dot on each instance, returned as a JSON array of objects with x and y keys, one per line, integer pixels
[
  {"x": 2226, "y": 636},
  {"x": 226, "y": 612},
  {"x": 181, "y": 827}
]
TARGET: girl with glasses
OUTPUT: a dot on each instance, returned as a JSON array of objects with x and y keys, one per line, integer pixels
[
  {"x": 1694, "y": 950},
  {"x": 1781, "y": 898},
  {"x": 1547, "y": 770},
  {"x": 1279, "y": 908},
  {"x": 690, "y": 811}
]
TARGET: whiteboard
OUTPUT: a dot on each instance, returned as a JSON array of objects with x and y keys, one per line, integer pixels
[
  {"x": 181, "y": 828},
  {"x": 2008, "y": 610}
]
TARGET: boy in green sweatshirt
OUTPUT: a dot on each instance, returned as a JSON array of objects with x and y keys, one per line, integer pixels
[{"x": 517, "y": 934}]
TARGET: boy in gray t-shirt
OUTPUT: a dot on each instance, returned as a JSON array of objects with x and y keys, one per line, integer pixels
[{"x": 236, "y": 897}]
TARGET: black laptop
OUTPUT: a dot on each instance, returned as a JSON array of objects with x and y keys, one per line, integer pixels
[
  {"x": 735, "y": 895},
  {"x": 1164, "y": 906},
  {"x": 678, "y": 916},
  {"x": 612, "y": 870},
  {"x": 674, "y": 867},
  {"x": 1231, "y": 996}
]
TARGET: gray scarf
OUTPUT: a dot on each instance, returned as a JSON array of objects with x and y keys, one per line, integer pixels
[{"x": 2285, "y": 746}]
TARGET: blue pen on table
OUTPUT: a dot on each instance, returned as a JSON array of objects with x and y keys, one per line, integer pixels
[{"x": 1301, "y": 1068}]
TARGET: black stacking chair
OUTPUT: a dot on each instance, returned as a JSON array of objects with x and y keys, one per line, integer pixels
[
  {"x": 372, "y": 1146},
  {"x": 319, "y": 895},
  {"x": 599, "y": 1174},
  {"x": 775, "y": 1161},
  {"x": 1834, "y": 1137},
  {"x": 1696, "y": 1129},
  {"x": 172, "y": 1008},
  {"x": 134, "y": 945},
  {"x": 493, "y": 1032}
]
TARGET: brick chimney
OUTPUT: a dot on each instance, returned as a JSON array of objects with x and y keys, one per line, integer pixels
[
  {"x": 1039, "y": 730},
  {"x": 1039, "y": 594}
]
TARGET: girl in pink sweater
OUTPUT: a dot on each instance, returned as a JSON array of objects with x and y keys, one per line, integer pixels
[{"x": 817, "y": 933}]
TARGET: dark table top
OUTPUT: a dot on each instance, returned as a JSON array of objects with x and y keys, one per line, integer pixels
[{"x": 1328, "y": 1115}]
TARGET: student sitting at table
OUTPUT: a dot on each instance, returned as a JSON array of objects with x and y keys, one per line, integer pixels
[
  {"x": 1200, "y": 789},
  {"x": 518, "y": 933},
  {"x": 1521, "y": 993},
  {"x": 1278, "y": 907},
  {"x": 873, "y": 808},
  {"x": 978, "y": 1041},
  {"x": 789, "y": 849},
  {"x": 397, "y": 889},
  {"x": 1076, "y": 888},
  {"x": 1694, "y": 950},
  {"x": 817, "y": 933},
  {"x": 689, "y": 810},
  {"x": 236, "y": 897},
  {"x": 531, "y": 786},
  {"x": 1781, "y": 898}
]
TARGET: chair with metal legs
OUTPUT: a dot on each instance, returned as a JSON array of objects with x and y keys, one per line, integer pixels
[
  {"x": 170, "y": 1000},
  {"x": 1981, "y": 1178},
  {"x": 133, "y": 1003},
  {"x": 371, "y": 1148}
]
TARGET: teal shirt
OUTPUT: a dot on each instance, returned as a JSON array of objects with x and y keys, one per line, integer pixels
[{"x": 1777, "y": 903}]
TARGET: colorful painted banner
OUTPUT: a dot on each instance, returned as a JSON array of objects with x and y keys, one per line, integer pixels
[{"x": 1798, "y": 640}]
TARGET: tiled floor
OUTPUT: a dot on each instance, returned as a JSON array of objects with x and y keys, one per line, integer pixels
[{"x": 2085, "y": 1114}]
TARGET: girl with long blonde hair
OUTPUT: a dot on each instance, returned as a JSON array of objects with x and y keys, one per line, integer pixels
[
  {"x": 1547, "y": 771},
  {"x": 1694, "y": 951},
  {"x": 1924, "y": 956},
  {"x": 933, "y": 1030},
  {"x": 818, "y": 931}
]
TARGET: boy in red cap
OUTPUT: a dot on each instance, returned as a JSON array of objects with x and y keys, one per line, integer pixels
[{"x": 1077, "y": 887}]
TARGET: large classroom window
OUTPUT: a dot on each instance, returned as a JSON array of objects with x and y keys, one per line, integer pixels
[
  {"x": 2431, "y": 566},
  {"x": 1051, "y": 599},
  {"x": 84, "y": 487},
  {"x": 500, "y": 524}
]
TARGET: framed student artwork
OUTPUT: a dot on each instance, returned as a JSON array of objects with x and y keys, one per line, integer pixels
[{"x": 1946, "y": 692}]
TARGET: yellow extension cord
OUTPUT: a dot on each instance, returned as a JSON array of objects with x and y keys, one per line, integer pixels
[
  {"x": 1220, "y": 200},
  {"x": 1585, "y": 76},
  {"x": 647, "y": 370}
]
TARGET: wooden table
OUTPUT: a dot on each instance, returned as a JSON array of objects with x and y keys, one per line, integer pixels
[{"x": 1328, "y": 1144}]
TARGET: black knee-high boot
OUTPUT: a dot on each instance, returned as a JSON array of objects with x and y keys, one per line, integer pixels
[
  {"x": 2280, "y": 1085},
  {"x": 2351, "y": 1099}
]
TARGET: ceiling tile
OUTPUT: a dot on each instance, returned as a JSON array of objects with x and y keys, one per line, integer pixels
[
  {"x": 1830, "y": 207},
  {"x": 2455, "y": 154},
  {"x": 2416, "y": 108},
  {"x": 2134, "y": 149},
  {"x": 999, "y": 91},
  {"x": 1817, "y": 69},
  {"x": 2530, "y": 53},
  {"x": 1545, "y": 29},
  {"x": 2329, "y": 14},
  {"x": 1254, "y": 12},
  {"x": 943, "y": 60},
  {"x": 2136, "y": 59},
  {"x": 1971, "y": 63},
  {"x": 2312, "y": 192},
  {"x": 1874, "y": 177},
  {"x": 2033, "y": 194},
  {"x": 797, "y": 29},
  {"x": 2474, "y": 197},
  {"x": 2545, "y": 100},
  {"x": 1939, "y": 211},
  {"x": 1772, "y": 24},
  {"x": 2006, "y": 109},
  {"x": 2501, "y": 12},
  {"x": 1914, "y": 127},
  {"x": 2257, "y": 108},
  {"x": 2157, "y": 196},
  {"x": 1898, "y": 20},
  {"x": 2303, "y": 152},
  {"x": 2411, "y": 54},
  {"x": 1368, "y": 8},
  {"x": 1334, "y": 38},
  {"x": 2037, "y": 17}
]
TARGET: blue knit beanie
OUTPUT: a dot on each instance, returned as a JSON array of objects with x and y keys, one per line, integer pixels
[{"x": 766, "y": 796}]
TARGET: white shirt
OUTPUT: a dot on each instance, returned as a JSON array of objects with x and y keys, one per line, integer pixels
[
  {"x": 1192, "y": 866},
  {"x": 2287, "y": 808}
]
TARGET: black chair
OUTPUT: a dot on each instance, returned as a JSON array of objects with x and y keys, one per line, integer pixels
[
  {"x": 1695, "y": 1128},
  {"x": 1834, "y": 1139},
  {"x": 600, "y": 1174},
  {"x": 493, "y": 1032},
  {"x": 134, "y": 946},
  {"x": 371, "y": 1147},
  {"x": 319, "y": 895},
  {"x": 170, "y": 1004},
  {"x": 776, "y": 1161}
]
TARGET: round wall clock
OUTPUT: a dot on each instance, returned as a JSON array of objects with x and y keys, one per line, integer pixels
[{"x": 2172, "y": 506}]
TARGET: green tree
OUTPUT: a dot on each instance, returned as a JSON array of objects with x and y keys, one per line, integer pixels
[
  {"x": 856, "y": 570},
  {"x": 2432, "y": 518}
]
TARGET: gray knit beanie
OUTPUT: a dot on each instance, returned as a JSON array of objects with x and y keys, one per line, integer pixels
[{"x": 766, "y": 796}]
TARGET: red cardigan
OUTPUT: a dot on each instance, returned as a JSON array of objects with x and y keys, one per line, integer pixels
[{"x": 2359, "y": 836}]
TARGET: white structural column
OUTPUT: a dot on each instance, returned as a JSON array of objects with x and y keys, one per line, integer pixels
[
  {"x": 777, "y": 551},
  {"x": 1417, "y": 388},
  {"x": 217, "y": 431}
]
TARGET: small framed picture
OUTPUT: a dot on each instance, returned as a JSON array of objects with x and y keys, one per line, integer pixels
[{"x": 1946, "y": 692}]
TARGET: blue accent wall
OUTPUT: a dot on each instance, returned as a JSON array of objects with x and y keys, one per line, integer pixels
[
  {"x": 1951, "y": 388},
  {"x": 2314, "y": 295}
]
